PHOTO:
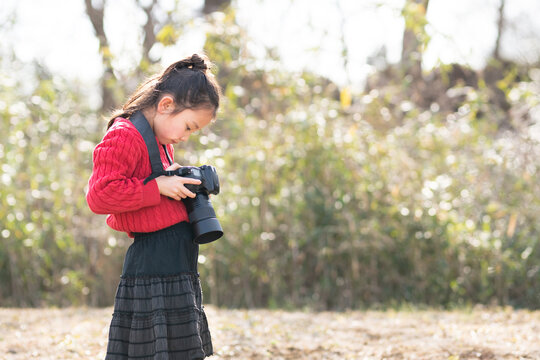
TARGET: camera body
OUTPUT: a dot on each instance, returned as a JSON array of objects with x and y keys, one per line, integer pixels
[
  {"x": 202, "y": 216},
  {"x": 206, "y": 173}
]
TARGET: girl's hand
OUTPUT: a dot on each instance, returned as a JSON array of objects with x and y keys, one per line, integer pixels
[
  {"x": 173, "y": 167},
  {"x": 173, "y": 186}
]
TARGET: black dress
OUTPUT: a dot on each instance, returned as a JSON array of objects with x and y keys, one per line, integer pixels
[{"x": 158, "y": 312}]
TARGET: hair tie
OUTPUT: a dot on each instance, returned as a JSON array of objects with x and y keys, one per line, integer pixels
[
  {"x": 193, "y": 63},
  {"x": 197, "y": 62}
]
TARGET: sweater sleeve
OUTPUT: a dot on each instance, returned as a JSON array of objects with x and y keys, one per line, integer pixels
[{"x": 112, "y": 188}]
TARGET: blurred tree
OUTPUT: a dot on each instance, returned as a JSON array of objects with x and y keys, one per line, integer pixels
[
  {"x": 149, "y": 28},
  {"x": 211, "y": 6},
  {"x": 382, "y": 201},
  {"x": 415, "y": 38},
  {"x": 500, "y": 30},
  {"x": 96, "y": 14},
  {"x": 160, "y": 27}
]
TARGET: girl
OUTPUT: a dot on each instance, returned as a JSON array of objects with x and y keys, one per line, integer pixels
[{"x": 158, "y": 311}]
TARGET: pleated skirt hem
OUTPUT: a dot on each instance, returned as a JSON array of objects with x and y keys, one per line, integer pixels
[{"x": 159, "y": 318}]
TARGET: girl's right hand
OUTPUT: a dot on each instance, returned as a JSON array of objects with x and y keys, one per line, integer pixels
[{"x": 173, "y": 186}]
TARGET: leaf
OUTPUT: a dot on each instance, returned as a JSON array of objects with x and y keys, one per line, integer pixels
[{"x": 168, "y": 35}]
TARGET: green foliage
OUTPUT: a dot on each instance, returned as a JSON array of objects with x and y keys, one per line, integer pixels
[
  {"x": 330, "y": 199},
  {"x": 329, "y": 207},
  {"x": 168, "y": 35},
  {"x": 414, "y": 14},
  {"x": 45, "y": 226}
]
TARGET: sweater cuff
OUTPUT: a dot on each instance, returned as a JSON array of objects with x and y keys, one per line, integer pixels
[{"x": 150, "y": 194}]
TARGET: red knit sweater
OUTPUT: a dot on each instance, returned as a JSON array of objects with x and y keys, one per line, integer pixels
[{"x": 121, "y": 164}]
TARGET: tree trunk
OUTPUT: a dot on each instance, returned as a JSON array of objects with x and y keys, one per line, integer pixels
[
  {"x": 500, "y": 29},
  {"x": 96, "y": 15},
  {"x": 149, "y": 31},
  {"x": 215, "y": 5},
  {"x": 414, "y": 13}
]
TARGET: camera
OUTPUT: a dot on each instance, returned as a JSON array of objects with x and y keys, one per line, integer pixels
[{"x": 202, "y": 216}]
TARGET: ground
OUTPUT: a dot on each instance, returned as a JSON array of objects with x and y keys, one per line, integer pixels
[{"x": 81, "y": 333}]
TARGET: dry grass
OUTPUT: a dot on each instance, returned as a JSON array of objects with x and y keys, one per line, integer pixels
[{"x": 80, "y": 333}]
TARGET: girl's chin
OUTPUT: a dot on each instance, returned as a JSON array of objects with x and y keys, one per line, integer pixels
[{"x": 169, "y": 141}]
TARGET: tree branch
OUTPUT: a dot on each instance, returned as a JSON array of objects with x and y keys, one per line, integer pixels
[
  {"x": 500, "y": 29},
  {"x": 149, "y": 30},
  {"x": 96, "y": 16}
]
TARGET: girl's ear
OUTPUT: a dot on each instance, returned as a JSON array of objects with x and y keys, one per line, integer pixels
[{"x": 166, "y": 105}]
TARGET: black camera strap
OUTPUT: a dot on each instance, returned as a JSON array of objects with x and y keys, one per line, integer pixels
[{"x": 143, "y": 127}]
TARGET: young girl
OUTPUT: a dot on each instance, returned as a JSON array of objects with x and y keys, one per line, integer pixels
[{"x": 158, "y": 311}]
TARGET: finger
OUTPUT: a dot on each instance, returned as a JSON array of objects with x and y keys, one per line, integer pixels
[
  {"x": 187, "y": 193},
  {"x": 181, "y": 195},
  {"x": 191, "y": 181},
  {"x": 175, "y": 193},
  {"x": 173, "y": 167}
]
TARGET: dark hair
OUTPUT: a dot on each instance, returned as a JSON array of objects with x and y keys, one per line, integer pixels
[{"x": 190, "y": 81}]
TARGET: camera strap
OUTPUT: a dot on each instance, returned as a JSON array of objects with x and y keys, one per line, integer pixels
[{"x": 143, "y": 127}]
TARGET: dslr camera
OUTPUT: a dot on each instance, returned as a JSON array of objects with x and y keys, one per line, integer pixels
[{"x": 202, "y": 216}]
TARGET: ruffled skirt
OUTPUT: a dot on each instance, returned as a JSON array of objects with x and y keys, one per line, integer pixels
[{"x": 158, "y": 312}]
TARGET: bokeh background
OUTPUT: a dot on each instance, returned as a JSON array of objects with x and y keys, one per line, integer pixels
[{"x": 372, "y": 154}]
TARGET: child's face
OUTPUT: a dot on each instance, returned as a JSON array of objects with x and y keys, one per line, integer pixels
[{"x": 173, "y": 128}]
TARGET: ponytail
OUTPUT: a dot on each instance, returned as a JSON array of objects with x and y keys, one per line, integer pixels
[{"x": 189, "y": 81}]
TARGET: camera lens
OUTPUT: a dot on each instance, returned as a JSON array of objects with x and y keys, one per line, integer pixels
[{"x": 202, "y": 217}]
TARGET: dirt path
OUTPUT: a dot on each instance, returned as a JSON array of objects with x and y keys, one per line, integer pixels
[{"x": 264, "y": 334}]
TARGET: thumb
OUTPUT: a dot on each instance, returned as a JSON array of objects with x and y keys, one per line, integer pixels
[{"x": 173, "y": 167}]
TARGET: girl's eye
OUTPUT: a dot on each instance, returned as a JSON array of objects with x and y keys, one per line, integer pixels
[{"x": 188, "y": 128}]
